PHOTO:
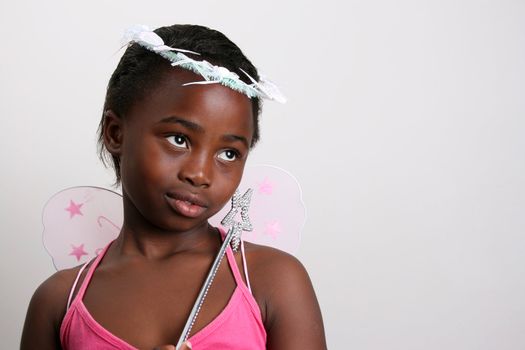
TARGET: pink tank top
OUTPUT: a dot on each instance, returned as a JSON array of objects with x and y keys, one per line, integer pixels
[{"x": 238, "y": 327}]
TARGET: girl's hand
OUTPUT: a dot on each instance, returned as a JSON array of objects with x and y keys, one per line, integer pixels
[{"x": 185, "y": 346}]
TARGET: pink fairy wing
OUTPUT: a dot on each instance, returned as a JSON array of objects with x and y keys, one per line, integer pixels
[
  {"x": 277, "y": 210},
  {"x": 79, "y": 222}
]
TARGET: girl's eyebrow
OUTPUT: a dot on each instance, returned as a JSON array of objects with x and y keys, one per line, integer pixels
[
  {"x": 196, "y": 127},
  {"x": 186, "y": 123},
  {"x": 233, "y": 138}
]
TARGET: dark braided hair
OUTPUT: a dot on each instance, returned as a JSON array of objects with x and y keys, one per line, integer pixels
[{"x": 140, "y": 69}]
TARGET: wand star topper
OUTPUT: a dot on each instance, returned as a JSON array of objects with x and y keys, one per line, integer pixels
[{"x": 241, "y": 203}]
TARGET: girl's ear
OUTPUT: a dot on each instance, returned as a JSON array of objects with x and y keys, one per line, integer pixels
[{"x": 113, "y": 132}]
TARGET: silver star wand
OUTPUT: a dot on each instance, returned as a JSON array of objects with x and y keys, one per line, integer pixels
[{"x": 233, "y": 237}]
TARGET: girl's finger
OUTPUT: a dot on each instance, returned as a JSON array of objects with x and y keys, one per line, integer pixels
[
  {"x": 165, "y": 347},
  {"x": 185, "y": 346}
]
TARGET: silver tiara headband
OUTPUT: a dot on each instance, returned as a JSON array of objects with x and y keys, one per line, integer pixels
[{"x": 212, "y": 74}]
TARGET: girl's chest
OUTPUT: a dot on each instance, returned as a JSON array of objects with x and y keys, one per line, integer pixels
[{"x": 149, "y": 307}]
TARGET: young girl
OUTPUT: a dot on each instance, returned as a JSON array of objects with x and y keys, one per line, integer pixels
[{"x": 179, "y": 150}]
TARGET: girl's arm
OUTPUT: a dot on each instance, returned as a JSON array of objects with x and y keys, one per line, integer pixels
[
  {"x": 290, "y": 309},
  {"x": 46, "y": 310}
]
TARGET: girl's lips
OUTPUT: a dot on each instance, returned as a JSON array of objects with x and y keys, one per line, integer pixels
[{"x": 185, "y": 206}]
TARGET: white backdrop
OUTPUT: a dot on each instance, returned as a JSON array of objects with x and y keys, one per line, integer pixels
[{"x": 405, "y": 126}]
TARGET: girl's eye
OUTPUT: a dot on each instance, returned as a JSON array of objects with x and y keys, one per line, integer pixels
[
  {"x": 228, "y": 155},
  {"x": 178, "y": 140}
]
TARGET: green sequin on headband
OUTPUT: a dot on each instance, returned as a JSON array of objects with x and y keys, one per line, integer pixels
[{"x": 212, "y": 74}]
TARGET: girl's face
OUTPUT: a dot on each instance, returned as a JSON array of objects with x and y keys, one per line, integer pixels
[{"x": 183, "y": 150}]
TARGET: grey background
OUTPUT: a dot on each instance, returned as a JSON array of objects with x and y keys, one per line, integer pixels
[{"x": 405, "y": 126}]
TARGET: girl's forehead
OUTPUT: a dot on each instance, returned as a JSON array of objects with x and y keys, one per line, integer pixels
[{"x": 207, "y": 104}]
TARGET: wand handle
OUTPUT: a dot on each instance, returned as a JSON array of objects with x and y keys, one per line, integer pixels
[{"x": 205, "y": 287}]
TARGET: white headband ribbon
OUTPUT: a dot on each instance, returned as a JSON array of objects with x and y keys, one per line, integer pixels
[{"x": 212, "y": 74}]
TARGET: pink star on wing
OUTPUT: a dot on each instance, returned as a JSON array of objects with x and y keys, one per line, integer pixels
[
  {"x": 273, "y": 228},
  {"x": 266, "y": 186},
  {"x": 78, "y": 252},
  {"x": 74, "y": 209}
]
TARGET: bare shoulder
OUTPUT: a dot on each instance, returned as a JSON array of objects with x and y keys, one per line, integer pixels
[
  {"x": 284, "y": 291},
  {"x": 57, "y": 286},
  {"x": 46, "y": 310},
  {"x": 270, "y": 265}
]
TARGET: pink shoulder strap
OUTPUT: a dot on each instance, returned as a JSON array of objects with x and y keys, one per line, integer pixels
[
  {"x": 233, "y": 266},
  {"x": 233, "y": 263},
  {"x": 245, "y": 266},
  {"x": 87, "y": 279},
  {"x": 75, "y": 284}
]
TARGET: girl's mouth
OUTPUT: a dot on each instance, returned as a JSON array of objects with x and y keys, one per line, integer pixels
[{"x": 185, "y": 206}]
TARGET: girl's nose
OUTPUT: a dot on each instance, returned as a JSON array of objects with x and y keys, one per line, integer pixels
[{"x": 196, "y": 171}]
